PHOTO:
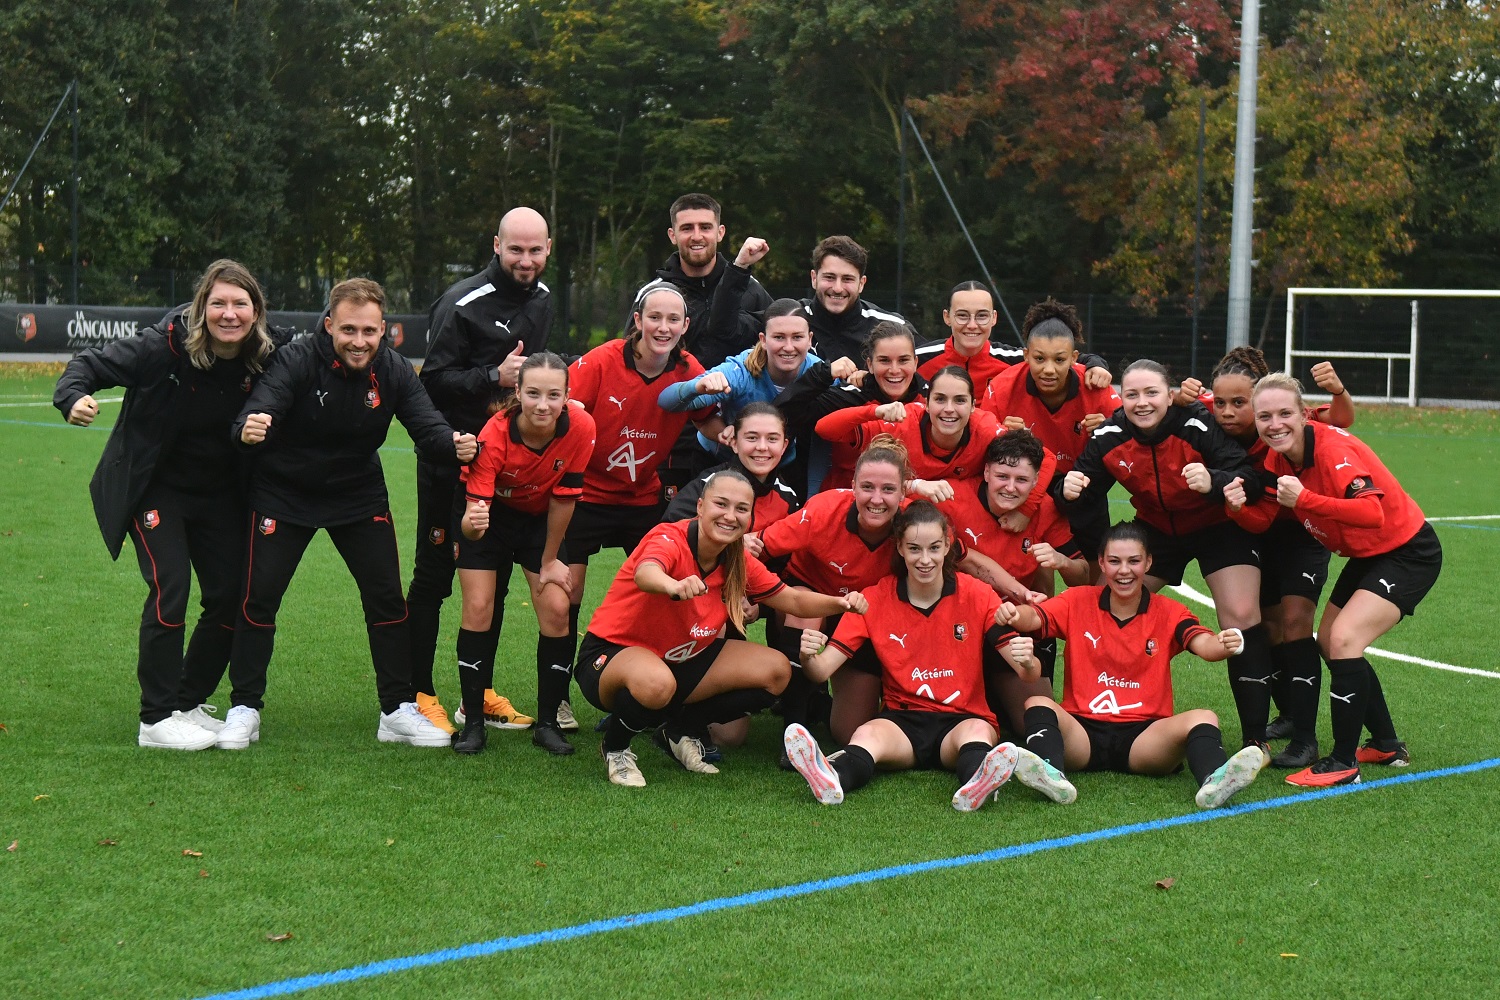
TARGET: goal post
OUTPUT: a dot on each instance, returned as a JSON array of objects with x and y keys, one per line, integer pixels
[{"x": 1391, "y": 358}]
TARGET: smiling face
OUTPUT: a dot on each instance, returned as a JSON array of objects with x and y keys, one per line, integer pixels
[
  {"x": 971, "y": 317},
  {"x": 696, "y": 234},
  {"x": 1049, "y": 360},
  {"x": 1007, "y": 486},
  {"x": 724, "y": 510},
  {"x": 950, "y": 403},
  {"x": 1232, "y": 407},
  {"x": 356, "y": 329},
  {"x": 1125, "y": 565},
  {"x": 893, "y": 364},
  {"x": 787, "y": 340},
  {"x": 522, "y": 246},
  {"x": 1146, "y": 398},
  {"x": 1280, "y": 421},
  {"x": 923, "y": 547},
  {"x": 230, "y": 317},
  {"x": 760, "y": 442},
  {"x": 837, "y": 284},
  {"x": 877, "y": 494},
  {"x": 662, "y": 322},
  {"x": 543, "y": 393}
]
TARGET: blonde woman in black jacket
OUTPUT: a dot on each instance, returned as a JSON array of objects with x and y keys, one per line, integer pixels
[{"x": 172, "y": 480}]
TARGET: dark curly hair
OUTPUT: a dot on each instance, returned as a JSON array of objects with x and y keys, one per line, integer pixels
[{"x": 1050, "y": 318}]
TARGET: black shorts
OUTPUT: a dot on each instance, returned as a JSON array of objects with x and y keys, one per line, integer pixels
[
  {"x": 595, "y": 653},
  {"x": 512, "y": 537},
  {"x": 1402, "y": 576},
  {"x": 926, "y": 732},
  {"x": 1292, "y": 564},
  {"x": 864, "y": 660},
  {"x": 1110, "y": 742},
  {"x": 1216, "y": 547},
  {"x": 598, "y": 526}
]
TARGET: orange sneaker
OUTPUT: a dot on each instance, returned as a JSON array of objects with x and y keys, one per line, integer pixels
[
  {"x": 429, "y": 706},
  {"x": 499, "y": 713},
  {"x": 1326, "y": 772},
  {"x": 1372, "y": 753}
]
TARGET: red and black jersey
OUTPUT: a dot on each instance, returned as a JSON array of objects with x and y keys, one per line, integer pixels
[
  {"x": 978, "y": 528},
  {"x": 988, "y": 362},
  {"x": 1118, "y": 671},
  {"x": 857, "y": 425},
  {"x": 507, "y": 471},
  {"x": 673, "y": 630},
  {"x": 1350, "y": 502},
  {"x": 1014, "y": 393},
  {"x": 826, "y": 551},
  {"x": 633, "y": 433},
  {"x": 1149, "y": 466},
  {"x": 774, "y": 499},
  {"x": 932, "y": 658}
]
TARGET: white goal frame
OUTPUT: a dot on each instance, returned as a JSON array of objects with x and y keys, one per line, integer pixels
[{"x": 1390, "y": 358}]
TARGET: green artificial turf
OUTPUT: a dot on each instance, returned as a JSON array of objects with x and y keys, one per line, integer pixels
[{"x": 363, "y": 851}]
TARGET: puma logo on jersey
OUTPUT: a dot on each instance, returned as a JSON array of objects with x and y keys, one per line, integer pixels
[
  {"x": 322, "y": 394},
  {"x": 971, "y": 534},
  {"x": 503, "y": 325},
  {"x": 899, "y": 640},
  {"x": 1127, "y": 466},
  {"x": 1311, "y": 579},
  {"x": 1347, "y": 699},
  {"x": 1389, "y": 587},
  {"x": 843, "y": 568},
  {"x": 1091, "y": 637},
  {"x": 381, "y": 519},
  {"x": 1343, "y": 465},
  {"x": 618, "y": 402}
]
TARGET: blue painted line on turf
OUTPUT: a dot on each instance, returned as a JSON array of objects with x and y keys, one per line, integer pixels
[
  {"x": 495, "y": 946},
  {"x": 1460, "y": 524}
]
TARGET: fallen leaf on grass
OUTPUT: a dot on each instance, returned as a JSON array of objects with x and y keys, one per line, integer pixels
[
  {"x": 539, "y": 864},
  {"x": 203, "y": 873},
  {"x": 107, "y": 842},
  {"x": 1165, "y": 883},
  {"x": 389, "y": 841},
  {"x": 3, "y": 729},
  {"x": 279, "y": 937},
  {"x": 188, "y": 852},
  {"x": 1289, "y": 954},
  {"x": 39, "y": 798},
  {"x": 13, "y": 845}
]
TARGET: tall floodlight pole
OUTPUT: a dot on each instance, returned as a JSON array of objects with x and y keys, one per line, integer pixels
[
  {"x": 74, "y": 185},
  {"x": 1244, "y": 179}
]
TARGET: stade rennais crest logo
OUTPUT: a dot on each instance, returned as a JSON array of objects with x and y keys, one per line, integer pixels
[{"x": 151, "y": 518}]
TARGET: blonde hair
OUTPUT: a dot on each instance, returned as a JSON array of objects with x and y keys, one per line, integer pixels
[
  {"x": 734, "y": 588},
  {"x": 199, "y": 343},
  {"x": 756, "y": 362},
  {"x": 889, "y": 449},
  {"x": 1278, "y": 380}
]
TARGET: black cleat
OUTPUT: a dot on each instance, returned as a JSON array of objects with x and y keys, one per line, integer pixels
[
  {"x": 472, "y": 739},
  {"x": 550, "y": 738},
  {"x": 1297, "y": 754},
  {"x": 1281, "y": 728}
]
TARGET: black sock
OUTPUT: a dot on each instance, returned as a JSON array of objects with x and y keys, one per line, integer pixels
[
  {"x": 1045, "y": 653},
  {"x": 694, "y": 719},
  {"x": 970, "y": 756},
  {"x": 573, "y": 610},
  {"x": 1304, "y": 671},
  {"x": 476, "y": 670},
  {"x": 1281, "y": 680},
  {"x": 1250, "y": 682},
  {"x": 628, "y": 717},
  {"x": 1348, "y": 693},
  {"x": 795, "y": 698},
  {"x": 1378, "y": 714},
  {"x": 1205, "y": 751},
  {"x": 855, "y": 768},
  {"x": 554, "y": 672},
  {"x": 1043, "y": 737}
]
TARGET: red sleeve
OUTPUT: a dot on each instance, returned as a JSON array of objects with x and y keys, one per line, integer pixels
[
  {"x": 846, "y": 425},
  {"x": 1055, "y": 612},
  {"x": 584, "y": 376},
  {"x": 1043, "y": 480},
  {"x": 788, "y": 534},
  {"x": 1186, "y": 629},
  {"x": 480, "y": 481},
  {"x": 661, "y": 547},
  {"x": 1256, "y": 517},
  {"x": 1363, "y": 510},
  {"x": 760, "y": 583},
  {"x": 580, "y": 426},
  {"x": 851, "y": 634}
]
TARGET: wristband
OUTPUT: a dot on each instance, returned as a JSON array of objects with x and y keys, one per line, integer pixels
[{"x": 1242, "y": 638}]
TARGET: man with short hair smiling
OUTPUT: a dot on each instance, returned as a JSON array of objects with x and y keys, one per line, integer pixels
[
  {"x": 320, "y": 415},
  {"x": 839, "y": 318},
  {"x": 700, "y": 271}
]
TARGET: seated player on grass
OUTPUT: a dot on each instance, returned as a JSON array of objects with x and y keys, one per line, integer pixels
[
  {"x": 655, "y": 654},
  {"x": 930, "y": 626},
  {"x": 1117, "y": 712}
]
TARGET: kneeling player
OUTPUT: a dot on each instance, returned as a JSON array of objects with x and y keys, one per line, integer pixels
[
  {"x": 1117, "y": 712},
  {"x": 930, "y": 626}
]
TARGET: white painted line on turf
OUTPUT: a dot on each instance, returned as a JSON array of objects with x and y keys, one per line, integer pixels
[
  {"x": 48, "y": 402},
  {"x": 1476, "y": 517},
  {"x": 1208, "y": 602}
]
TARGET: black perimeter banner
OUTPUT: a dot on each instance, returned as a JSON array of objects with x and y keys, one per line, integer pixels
[{"x": 33, "y": 329}]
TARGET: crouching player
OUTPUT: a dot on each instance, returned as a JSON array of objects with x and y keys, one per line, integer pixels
[
  {"x": 1117, "y": 712},
  {"x": 929, "y": 626}
]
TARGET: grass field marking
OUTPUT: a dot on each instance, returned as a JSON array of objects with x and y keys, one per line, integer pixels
[
  {"x": 48, "y": 402},
  {"x": 1476, "y": 517},
  {"x": 285, "y": 987},
  {"x": 1208, "y": 602}
]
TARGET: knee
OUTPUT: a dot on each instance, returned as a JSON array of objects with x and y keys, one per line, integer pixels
[
  {"x": 1040, "y": 701},
  {"x": 478, "y": 614},
  {"x": 1297, "y": 622},
  {"x": 778, "y": 674},
  {"x": 653, "y": 690},
  {"x": 1201, "y": 717},
  {"x": 1237, "y": 612},
  {"x": 1340, "y": 666}
]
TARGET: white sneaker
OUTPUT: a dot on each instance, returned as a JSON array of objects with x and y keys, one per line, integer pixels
[
  {"x": 686, "y": 750},
  {"x": 994, "y": 771},
  {"x": 1034, "y": 772},
  {"x": 241, "y": 728},
  {"x": 1231, "y": 776},
  {"x": 407, "y": 724},
  {"x": 623, "y": 769},
  {"x": 566, "y": 720},
  {"x": 173, "y": 733},
  {"x": 807, "y": 757},
  {"x": 202, "y": 717}
]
